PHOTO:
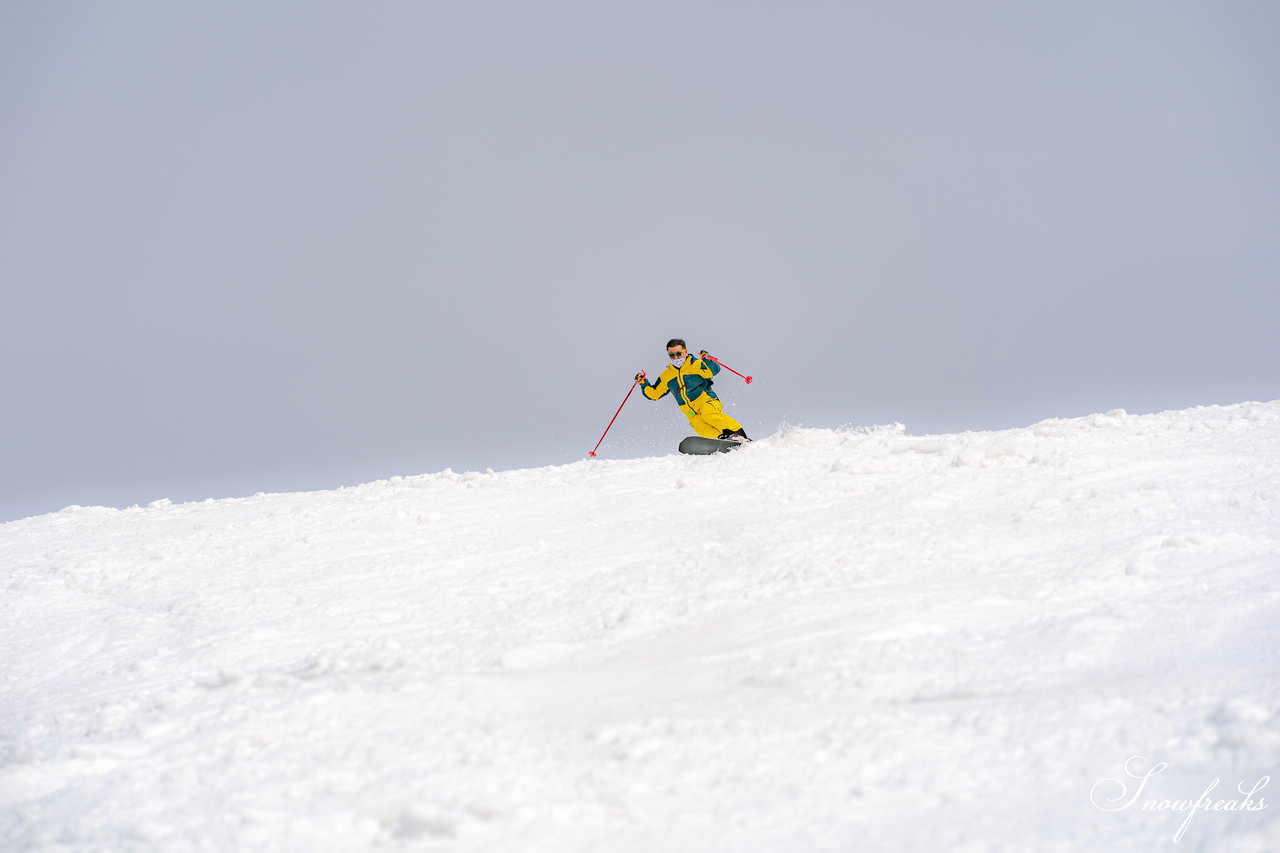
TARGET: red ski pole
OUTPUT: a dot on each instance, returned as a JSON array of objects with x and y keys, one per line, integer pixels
[
  {"x": 727, "y": 367},
  {"x": 615, "y": 417}
]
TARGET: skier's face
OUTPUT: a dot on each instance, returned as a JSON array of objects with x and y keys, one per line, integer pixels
[{"x": 676, "y": 354}]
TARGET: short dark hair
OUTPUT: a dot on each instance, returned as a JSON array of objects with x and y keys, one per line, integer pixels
[{"x": 676, "y": 342}]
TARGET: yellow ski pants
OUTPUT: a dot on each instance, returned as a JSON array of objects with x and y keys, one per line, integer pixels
[{"x": 709, "y": 418}]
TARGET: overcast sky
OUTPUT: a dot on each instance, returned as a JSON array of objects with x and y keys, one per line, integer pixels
[{"x": 273, "y": 246}]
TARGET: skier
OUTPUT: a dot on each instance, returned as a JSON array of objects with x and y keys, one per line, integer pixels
[{"x": 689, "y": 379}]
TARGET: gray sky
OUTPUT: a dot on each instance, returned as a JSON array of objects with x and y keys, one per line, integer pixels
[{"x": 253, "y": 246}]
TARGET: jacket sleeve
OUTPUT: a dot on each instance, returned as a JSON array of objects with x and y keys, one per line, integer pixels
[
  {"x": 656, "y": 390},
  {"x": 708, "y": 368}
]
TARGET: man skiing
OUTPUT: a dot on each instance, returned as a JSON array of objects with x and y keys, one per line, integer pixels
[{"x": 689, "y": 379}]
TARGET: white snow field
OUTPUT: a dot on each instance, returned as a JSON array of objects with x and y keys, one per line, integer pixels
[{"x": 1064, "y": 637}]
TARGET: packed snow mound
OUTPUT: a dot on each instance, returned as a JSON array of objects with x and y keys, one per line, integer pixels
[{"x": 827, "y": 640}]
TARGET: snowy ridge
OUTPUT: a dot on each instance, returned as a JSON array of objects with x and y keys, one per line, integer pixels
[{"x": 828, "y": 640}]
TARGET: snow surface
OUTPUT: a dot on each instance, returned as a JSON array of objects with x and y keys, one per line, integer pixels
[{"x": 825, "y": 641}]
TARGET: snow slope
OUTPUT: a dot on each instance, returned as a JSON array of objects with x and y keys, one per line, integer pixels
[{"x": 826, "y": 641}]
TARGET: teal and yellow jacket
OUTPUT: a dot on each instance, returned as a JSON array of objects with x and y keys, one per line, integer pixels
[{"x": 689, "y": 383}]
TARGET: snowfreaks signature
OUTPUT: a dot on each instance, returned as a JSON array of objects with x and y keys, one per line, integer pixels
[{"x": 1098, "y": 795}]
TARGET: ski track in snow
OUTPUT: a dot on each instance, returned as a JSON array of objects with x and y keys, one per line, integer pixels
[{"x": 827, "y": 641}]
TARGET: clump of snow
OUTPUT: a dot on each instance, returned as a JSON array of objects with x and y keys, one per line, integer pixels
[{"x": 827, "y": 640}]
